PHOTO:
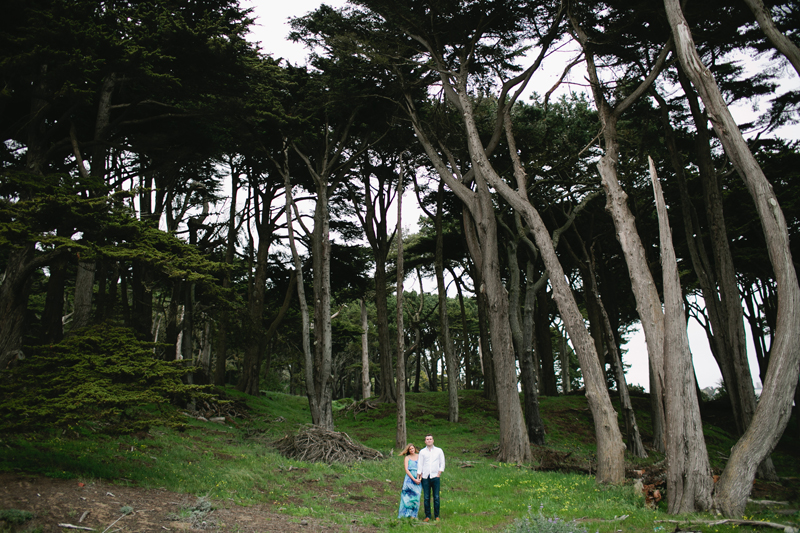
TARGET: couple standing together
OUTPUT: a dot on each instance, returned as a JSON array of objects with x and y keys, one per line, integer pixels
[{"x": 423, "y": 470}]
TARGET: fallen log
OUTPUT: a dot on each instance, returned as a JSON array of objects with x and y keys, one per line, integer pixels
[{"x": 754, "y": 523}]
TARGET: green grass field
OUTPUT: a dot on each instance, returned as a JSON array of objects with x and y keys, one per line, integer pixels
[{"x": 235, "y": 462}]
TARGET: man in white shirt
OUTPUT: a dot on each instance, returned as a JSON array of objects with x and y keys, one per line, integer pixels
[{"x": 429, "y": 470}]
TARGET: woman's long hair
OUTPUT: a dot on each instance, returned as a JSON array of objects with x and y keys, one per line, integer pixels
[{"x": 409, "y": 445}]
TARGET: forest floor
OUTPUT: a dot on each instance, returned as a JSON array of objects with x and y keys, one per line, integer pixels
[
  {"x": 99, "y": 505},
  {"x": 153, "y": 481}
]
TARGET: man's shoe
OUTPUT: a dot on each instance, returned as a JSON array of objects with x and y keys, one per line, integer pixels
[
  {"x": 427, "y": 520},
  {"x": 437, "y": 518}
]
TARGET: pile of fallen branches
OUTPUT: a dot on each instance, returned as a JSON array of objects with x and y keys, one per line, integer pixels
[
  {"x": 220, "y": 411},
  {"x": 359, "y": 407},
  {"x": 318, "y": 445}
]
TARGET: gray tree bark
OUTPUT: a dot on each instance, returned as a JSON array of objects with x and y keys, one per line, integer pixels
[
  {"x": 648, "y": 302},
  {"x": 610, "y": 448},
  {"x": 317, "y": 410},
  {"x": 774, "y": 407},
  {"x": 514, "y": 443},
  {"x": 366, "y": 388},
  {"x": 689, "y": 480},
  {"x": 401, "y": 435},
  {"x": 718, "y": 279},
  {"x": 484, "y": 343},
  {"x": 444, "y": 319}
]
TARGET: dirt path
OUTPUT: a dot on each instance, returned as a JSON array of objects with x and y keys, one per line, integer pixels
[{"x": 98, "y": 505}]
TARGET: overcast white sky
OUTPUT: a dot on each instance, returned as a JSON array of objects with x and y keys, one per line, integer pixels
[{"x": 271, "y": 30}]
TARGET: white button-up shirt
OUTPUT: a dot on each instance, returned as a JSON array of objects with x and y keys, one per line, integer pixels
[{"x": 431, "y": 462}]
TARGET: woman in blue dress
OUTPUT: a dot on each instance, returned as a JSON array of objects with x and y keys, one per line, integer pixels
[{"x": 409, "y": 496}]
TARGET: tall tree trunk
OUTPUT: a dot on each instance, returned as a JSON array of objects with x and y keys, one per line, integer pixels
[
  {"x": 382, "y": 318},
  {"x": 401, "y": 434},
  {"x": 487, "y": 365},
  {"x": 84, "y": 281},
  {"x": 514, "y": 442},
  {"x": 522, "y": 327},
  {"x": 635, "y": 446},
  {"x": 249, "y": 379},
  {"x": 543, "y": 345},
  {"x": 648, "y": 302},
  {"x": 528, "y": 373},
  {"x": 718, "y": 279},
  {"x": 444, "y": 319},
  {"x": 221, "y": 356},
  {"x": 774, "y": 407},
  {"x": 366, "y": 391},
  {"x": 311, "y": 386},
  {"x": 610, "y": 448},
  {"x": 376, "y": 206},
  {"x": 323, "y": 347},
  {"x": 689, "y": 480}
]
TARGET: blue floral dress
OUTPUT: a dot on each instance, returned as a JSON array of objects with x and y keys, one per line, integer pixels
[{"x": 409, "y": 496}]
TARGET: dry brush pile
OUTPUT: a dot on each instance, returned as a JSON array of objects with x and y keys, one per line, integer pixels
[{"x": 318, "y": 445}]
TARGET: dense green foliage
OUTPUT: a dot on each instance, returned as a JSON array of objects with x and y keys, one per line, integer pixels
[{"x": 102, "y": 377}]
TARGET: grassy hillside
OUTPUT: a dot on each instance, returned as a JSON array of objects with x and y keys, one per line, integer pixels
[{"x": 233, "y": 462}]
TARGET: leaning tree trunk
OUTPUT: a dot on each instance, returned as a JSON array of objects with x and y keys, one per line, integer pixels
[
  {"x": 610, "y": 448},
  {"x": 718, "y": 279},
  {"x": 514, "y": 443},
  {"x": 689, "y": 480},
  {"x": 648, "y": 302},
  {"x": 635, "y": 446},
  {"x": 774, "y": 407},
  {"x": 311, "y": 389}
]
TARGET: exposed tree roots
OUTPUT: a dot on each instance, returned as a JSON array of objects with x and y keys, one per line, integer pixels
[{"x": 320, "y": 445}]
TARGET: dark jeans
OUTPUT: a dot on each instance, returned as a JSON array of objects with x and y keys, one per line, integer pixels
[{"x": 428, "y": 485}]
